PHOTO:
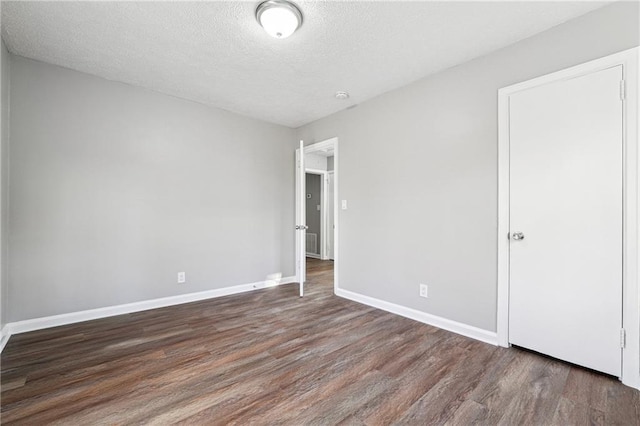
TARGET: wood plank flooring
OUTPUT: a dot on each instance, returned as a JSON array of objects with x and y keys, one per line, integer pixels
[{"x": 269, "y": 357}]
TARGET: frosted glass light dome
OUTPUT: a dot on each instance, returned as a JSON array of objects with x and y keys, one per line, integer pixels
[{"x": 279, "y": 18}]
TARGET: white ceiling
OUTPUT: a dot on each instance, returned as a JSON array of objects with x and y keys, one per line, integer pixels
[{"x": 217, "y": 54}]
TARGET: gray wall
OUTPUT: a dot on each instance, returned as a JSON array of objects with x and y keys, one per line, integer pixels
[
  {"x": 418, "y": 167},
  {"x": 114, "y": 189},
  {"x": 330, "y": 163},
  {"x": 4, "y": 174},
  {"x": 313, "y": 187},
  {"x": 314, "y": 161}
]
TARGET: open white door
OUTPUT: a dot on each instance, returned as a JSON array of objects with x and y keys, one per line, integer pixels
[{"x": 301, "y": 223}]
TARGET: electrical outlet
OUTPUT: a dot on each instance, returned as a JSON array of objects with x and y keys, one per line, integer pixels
[
  {"x": 182, "y": 277},
  {"x": 423, "y": 290}
]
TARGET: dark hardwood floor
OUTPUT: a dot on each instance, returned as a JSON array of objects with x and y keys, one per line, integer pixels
[{"x": 269, "y": 357}]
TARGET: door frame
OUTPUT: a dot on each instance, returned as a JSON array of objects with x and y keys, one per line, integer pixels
[
  {"x": 321, "y": 146},
  {"x": 329, "y": 213},
  {"x": 323, "y": 211},
  {"x": 630, "y": 293}
]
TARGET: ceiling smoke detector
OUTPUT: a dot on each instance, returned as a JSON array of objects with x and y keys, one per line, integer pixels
[
  {"x": 279, "y": 18},
  {"x": 342, "y": 95}
]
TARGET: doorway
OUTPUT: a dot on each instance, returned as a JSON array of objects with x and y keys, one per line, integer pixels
[
  {"x": 316, "y": 211},
  {"x": 568, "y": 217},
  {"x": 316, "y": 224}
]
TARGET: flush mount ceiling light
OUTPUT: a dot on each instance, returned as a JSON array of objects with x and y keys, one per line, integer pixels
[
  {"x": 342, "y": 95},
  {"x": 279, "y": 18}
]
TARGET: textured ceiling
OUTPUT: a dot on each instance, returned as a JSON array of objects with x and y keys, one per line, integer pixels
[{"x": 217, "y": 54}]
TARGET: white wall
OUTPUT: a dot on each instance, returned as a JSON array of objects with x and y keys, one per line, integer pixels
[
  {"x": 114, "y": 189},
  {"x": 418, "y": 167}
]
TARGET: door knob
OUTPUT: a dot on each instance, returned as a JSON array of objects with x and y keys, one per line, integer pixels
[{"x": 517, "y": 236}]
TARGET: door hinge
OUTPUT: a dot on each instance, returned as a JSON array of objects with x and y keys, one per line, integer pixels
[
  {"x": 623, "y": 338},
  {"x": 623, "y": 90}
]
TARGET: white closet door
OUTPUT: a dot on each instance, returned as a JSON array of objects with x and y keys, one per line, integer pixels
[{"x": 565, "y": 293}]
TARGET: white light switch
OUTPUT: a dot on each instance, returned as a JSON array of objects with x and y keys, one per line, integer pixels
[{"x": 344, "y": 204}]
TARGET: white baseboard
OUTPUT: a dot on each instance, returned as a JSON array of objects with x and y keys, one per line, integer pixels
[
  {"x": 314, "y": 255},
  {"x": 633, "y": 382},
  {"x": 434, "y": 320},
  {"x": 4, "y": 336},
  {"x": 109, "y": 311},
  {"x": 74, "y": 317}
]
